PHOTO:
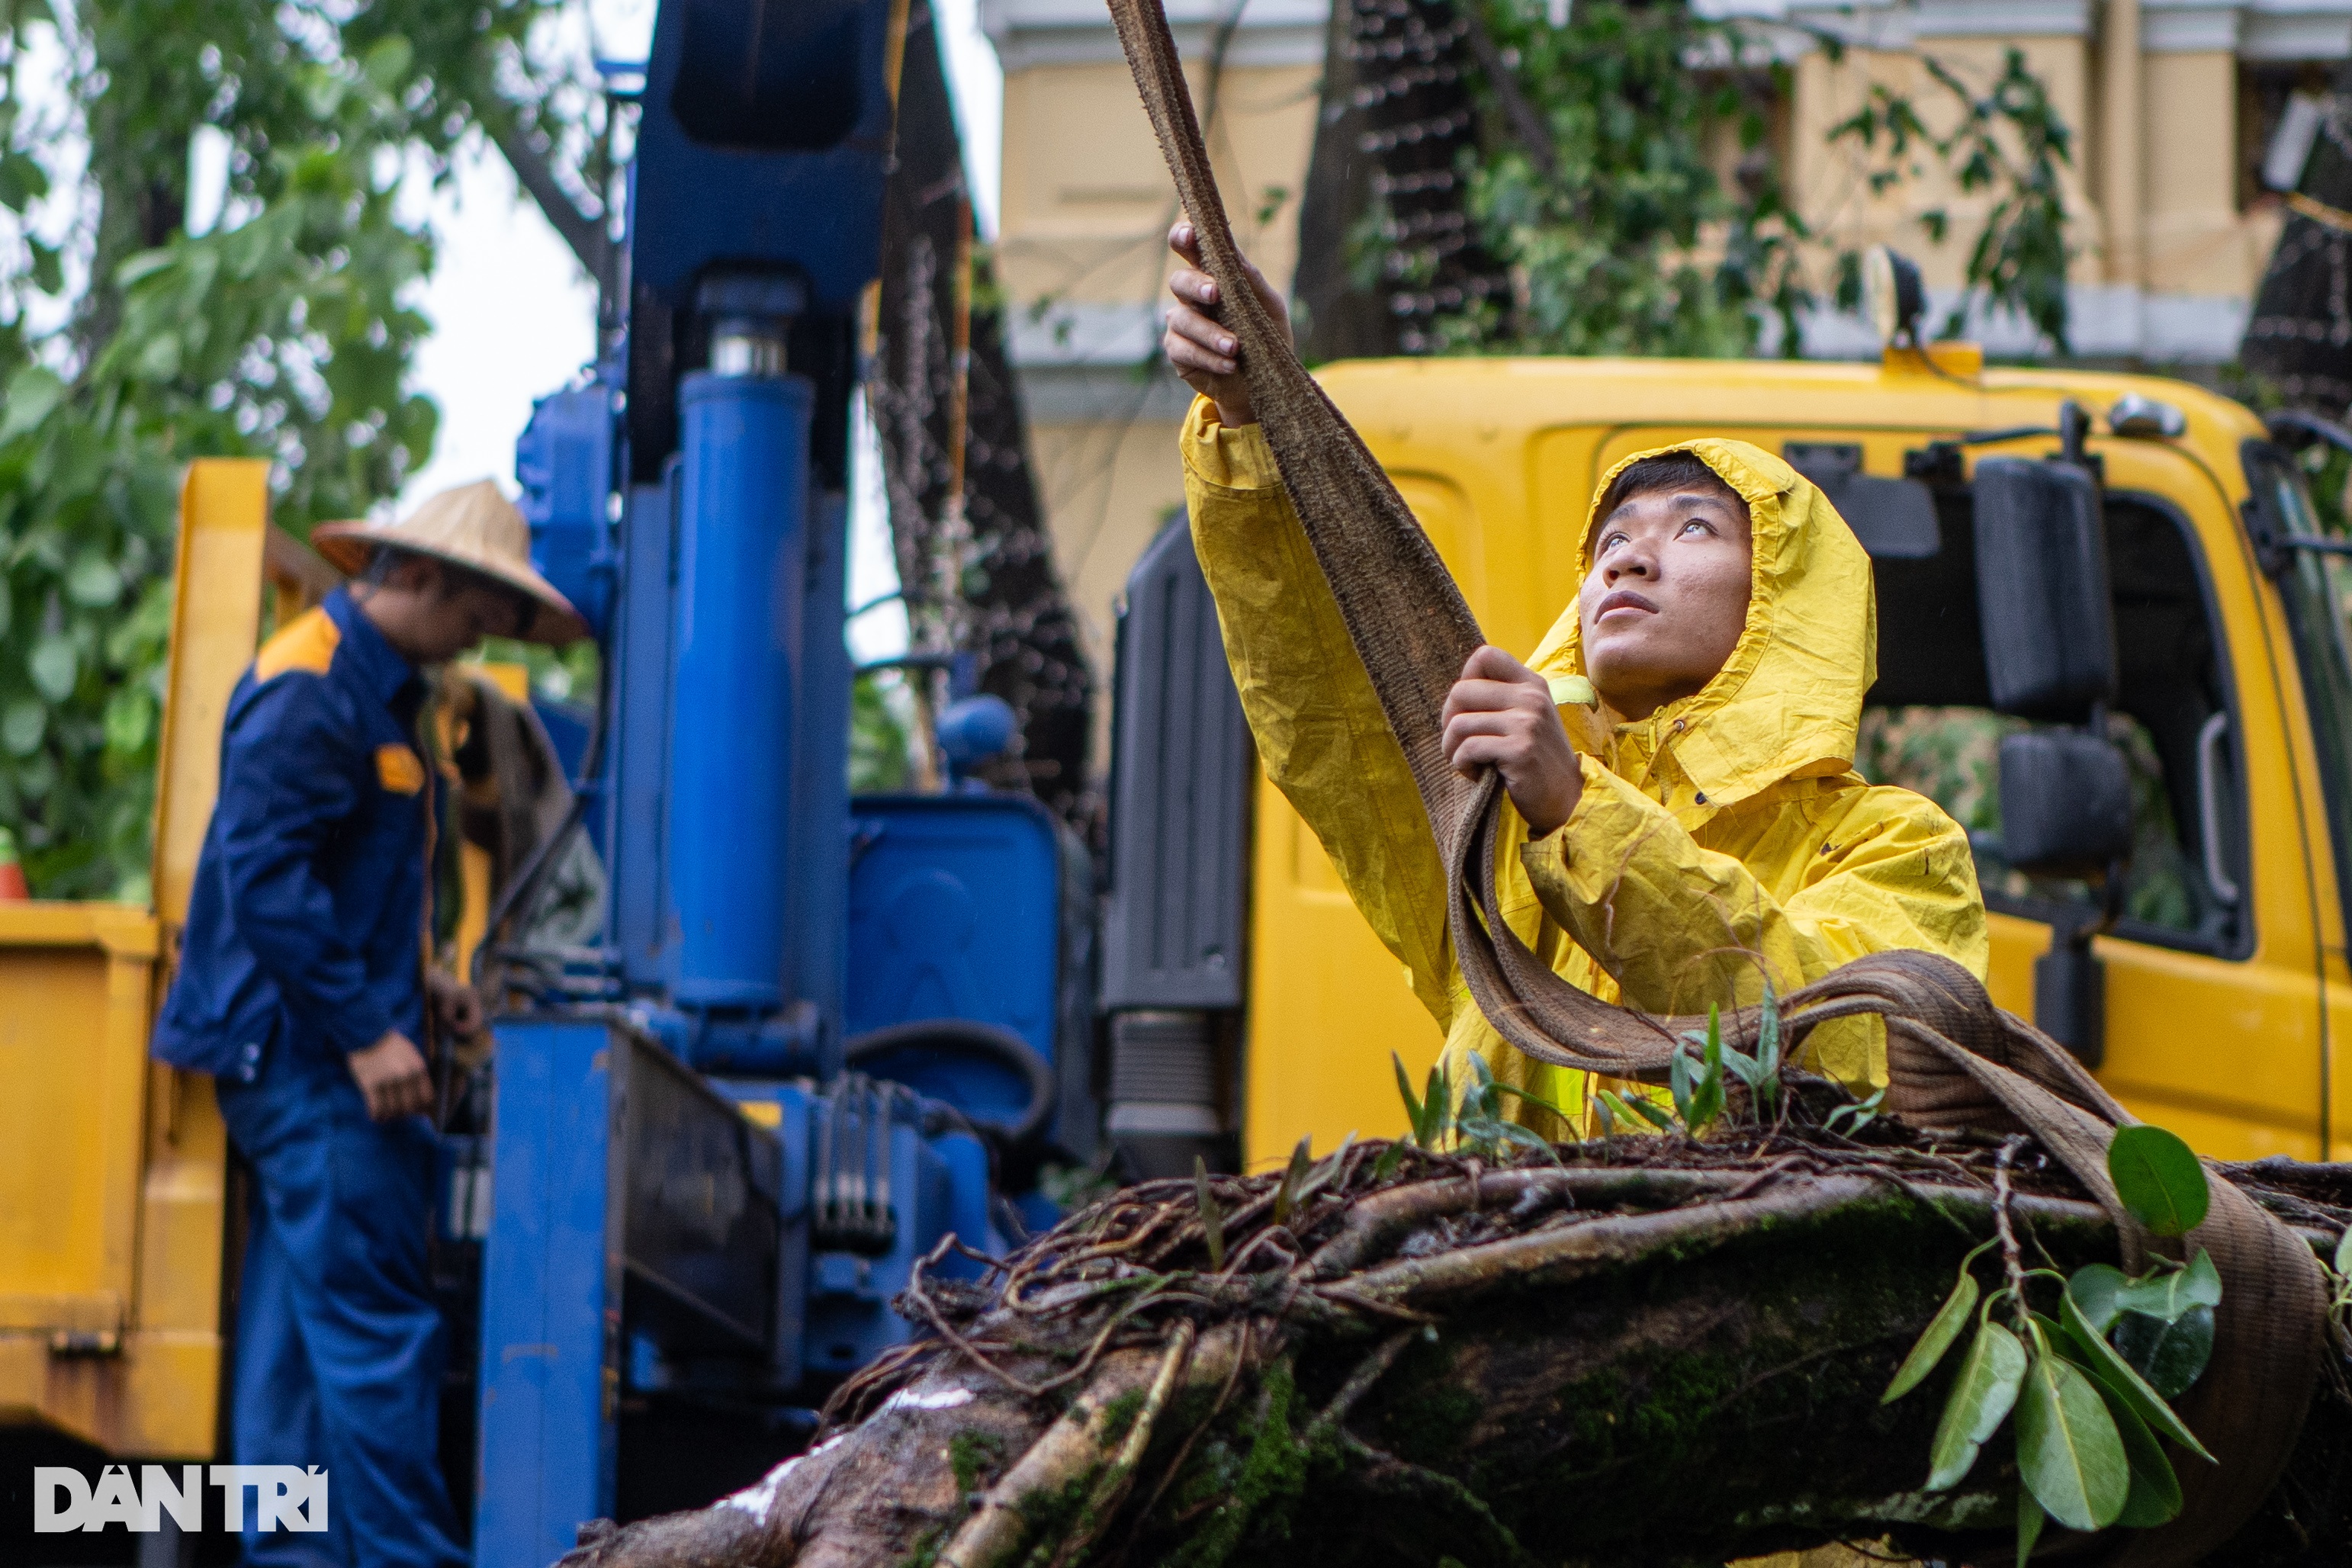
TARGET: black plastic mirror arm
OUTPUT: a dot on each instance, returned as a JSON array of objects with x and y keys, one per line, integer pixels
[{"x": 2295, "y": 428}]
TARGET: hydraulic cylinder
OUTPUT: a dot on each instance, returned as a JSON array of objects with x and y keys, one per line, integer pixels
[{"x": 742, "y": 556}]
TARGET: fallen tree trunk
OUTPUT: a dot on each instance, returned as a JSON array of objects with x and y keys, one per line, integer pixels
[{"x": 1656, "y": 1350}]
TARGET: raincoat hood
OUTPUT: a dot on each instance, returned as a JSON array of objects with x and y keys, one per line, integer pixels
[{"x": 1787, "y": 702}]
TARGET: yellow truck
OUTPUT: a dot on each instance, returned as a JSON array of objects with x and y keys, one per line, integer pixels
[
  {"x": 1242, "y": 989},
  {"x": 2211, "y": 992}
]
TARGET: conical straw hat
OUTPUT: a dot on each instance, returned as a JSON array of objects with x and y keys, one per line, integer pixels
[{"x": 473, "y": 526}]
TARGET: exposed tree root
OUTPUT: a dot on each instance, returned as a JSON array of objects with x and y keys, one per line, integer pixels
[{"x": 1651, "y": 1353}]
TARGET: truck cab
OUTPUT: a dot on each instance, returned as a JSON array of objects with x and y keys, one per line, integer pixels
[{"x": 2196, "y": 959}]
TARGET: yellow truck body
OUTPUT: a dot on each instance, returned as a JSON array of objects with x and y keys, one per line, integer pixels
[
  {"x": 2237, "y": 1051},
  {"x": 114, "y": 1169}
]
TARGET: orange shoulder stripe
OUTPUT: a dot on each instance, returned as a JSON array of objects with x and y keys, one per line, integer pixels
[{"x": 306, "y": 643}]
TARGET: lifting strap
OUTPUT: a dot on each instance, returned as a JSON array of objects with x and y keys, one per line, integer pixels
[{"x": 1953, "y": 1058}]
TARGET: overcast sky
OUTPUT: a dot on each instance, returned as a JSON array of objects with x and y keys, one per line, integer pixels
[{"x": 514, "y": 316}]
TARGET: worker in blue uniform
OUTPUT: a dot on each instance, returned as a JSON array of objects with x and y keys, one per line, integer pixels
[{"x": 306, "y": 987}]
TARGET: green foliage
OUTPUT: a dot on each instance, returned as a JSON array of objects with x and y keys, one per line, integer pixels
[
  {"x": 1620, "y": 235},
  {"x": 2006, "y": 141},
  {"x": 1475, "y": 1125},
  {"x": 1638, "y": 202},
  {"x": 2160, "y": 1181},
  {"x": 879, "y": 741},
  {"x": 1213, "y": 1216},
  {"x": 285, "y": 333},
  {"x": 2087, "y": 1413},
  {"x": 1981, "y": 1399},
  {"x": 2068, "y": 1451},
  {"x": 1943, "y": 1331},
  {"x": 1698, "y": 1085}
]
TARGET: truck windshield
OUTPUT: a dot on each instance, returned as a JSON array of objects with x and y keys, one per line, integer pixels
[{"x": 2317, "y": 592}]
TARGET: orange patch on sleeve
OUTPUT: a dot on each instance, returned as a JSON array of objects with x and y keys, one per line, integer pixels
[
  {"x": 306, "y": 643},
  {"x": 399, "y": 769}
]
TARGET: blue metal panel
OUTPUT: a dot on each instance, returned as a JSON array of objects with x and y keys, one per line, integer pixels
[
  {"x": 955, "y": 912},
  {"x": 551, "y": 1301},
  {"x": 640, "y": 739},
  {"x": 849, "y": 1318},
  {"x": 766, "y": 138},
  {"x": 741, "y": 577},
  {"x": 563, "y": 463},
  {"x": 818, "y": 948},
  {"x": 785, "y": 1107}
]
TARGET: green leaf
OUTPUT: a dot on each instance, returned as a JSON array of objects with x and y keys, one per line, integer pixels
[
  {"x": 53, "y": 666},
  {"x": 1607, "y": 1118},
  {"x": 1436, "y": 1107},
  {"x": 1710, "y": 1083},
  {"x": 1213, "y": 1218},
  {"x": 1629, "y": 1107},
  {"x": 129, "y": 720},
  {"x": 1538, "y": 1101},
  {"x": 1980, "y": 1399},
  {"x": 1479, "y": 1097},
  {"x": 2344, "y": 1252},
  {"x": 93, "y": 583},
  {"x": 1391, "y": 1158},
  {"x": 158, "y": 359},
  {"x": 142, "y": 265},
  {"x": 2169, "y": 1293},
  {"x": 2067, "y": 1446},
  {"x": 387, "y": 62},
  {"x": 34, "y": 392},
  {"x": 2170, "y": 1356},
  {"x": 1942, "y": 1331},
  {"x": 1286, "y": 1195},
  {"x": 2097, "y": 1290},
  {"x": 22, "y": 725},
  {"x": 48, "y": 266},
  {"x": 2160, "y": 1181},
  {"x": 2155, "y": 1494},
  {"x": 22, "y": 180},
  {"x": 2030, "y": 1519},
  {"x": 2101, "y": 1360},
  {"x": 1404, "y": 1091}
]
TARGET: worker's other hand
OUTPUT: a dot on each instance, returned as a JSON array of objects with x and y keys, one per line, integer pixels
[
  {"x": 1500, "y": 715},
  {"x": 1200, "y": 351},
  {"x": 457, "y": 1006},
  {"x": 391, "y": 1074}
]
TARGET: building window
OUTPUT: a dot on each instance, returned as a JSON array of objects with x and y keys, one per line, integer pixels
[{"x": 2279, "y": 106}]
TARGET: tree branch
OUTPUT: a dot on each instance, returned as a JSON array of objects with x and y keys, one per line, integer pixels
[{"x": 584, "y": 232}]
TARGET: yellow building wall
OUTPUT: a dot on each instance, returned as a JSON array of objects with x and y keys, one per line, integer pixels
[
  {"x": 2197, "y": 241},
  {"x": 1086, "y": 209}
]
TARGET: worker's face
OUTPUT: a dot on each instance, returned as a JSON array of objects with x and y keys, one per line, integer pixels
[
  {"x": 432, "y": 617},
  {"x": 1667, "y": 596},
  {"x": 456, "y": 618}
]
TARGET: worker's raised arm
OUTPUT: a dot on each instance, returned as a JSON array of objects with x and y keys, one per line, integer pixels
[
  {"x": 1320, "y": 730},
  {"x": 289, "y": 787},
  {"x": 1681, "y": 926}
]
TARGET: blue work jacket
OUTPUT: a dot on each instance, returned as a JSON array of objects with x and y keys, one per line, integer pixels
[{"x": 307, "y": 921}]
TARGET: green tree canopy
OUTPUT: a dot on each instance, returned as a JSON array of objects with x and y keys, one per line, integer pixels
[{"x": 128, "y": 346}]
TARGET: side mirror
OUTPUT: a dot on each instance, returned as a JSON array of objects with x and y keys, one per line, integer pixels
[
  {"x": 2065, "y": 809},
  {"x": 2065, "y": 804},
  {"x": 2042, "y": 588}
]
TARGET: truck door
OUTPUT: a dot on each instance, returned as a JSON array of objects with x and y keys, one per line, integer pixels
[{"x": 2211, "y": 1018}]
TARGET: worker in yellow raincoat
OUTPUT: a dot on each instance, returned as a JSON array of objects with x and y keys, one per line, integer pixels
[{"x": 1701, "y": 835}]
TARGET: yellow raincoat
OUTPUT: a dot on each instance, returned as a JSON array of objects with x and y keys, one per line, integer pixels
[{"x": 1724, "y": 839}]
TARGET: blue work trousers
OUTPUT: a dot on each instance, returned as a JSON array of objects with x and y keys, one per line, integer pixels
[{"x": 339, "y": 1343}]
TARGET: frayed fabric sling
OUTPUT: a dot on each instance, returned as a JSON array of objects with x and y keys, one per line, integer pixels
[{"x": 1954, "y": 1060}]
